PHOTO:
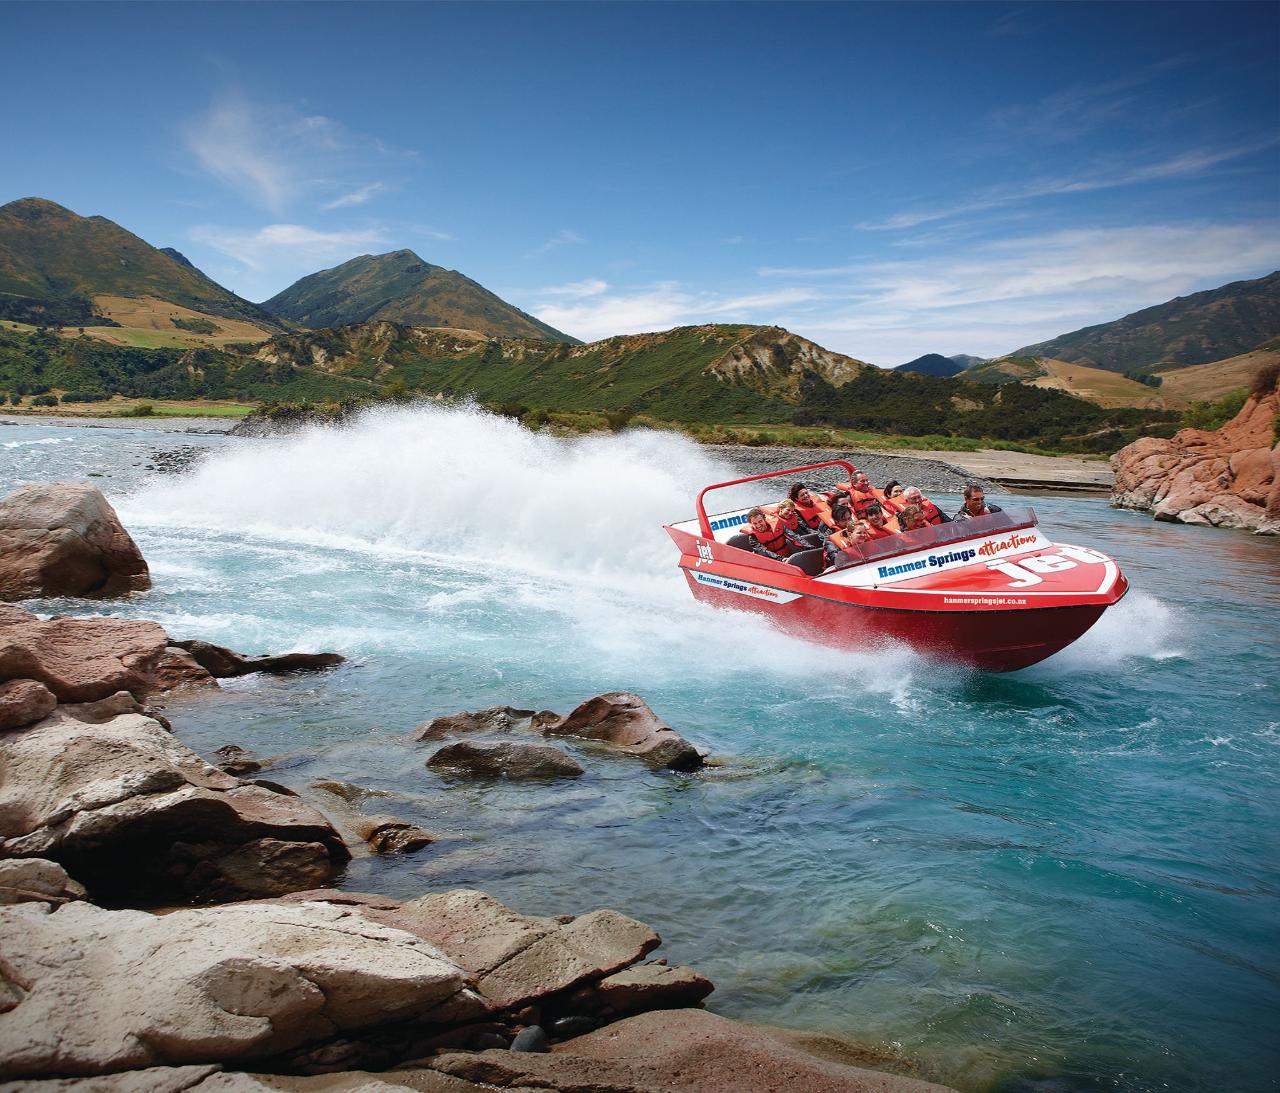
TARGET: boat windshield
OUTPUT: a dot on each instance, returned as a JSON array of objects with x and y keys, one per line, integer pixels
[{"x": 936, "y": 535}]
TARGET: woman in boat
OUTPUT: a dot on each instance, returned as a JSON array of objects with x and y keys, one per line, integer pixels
[
  {"x": 850, "y": 533},
  {"x": 891, "y": 495},
  {"x": 932, "y": 514},
  {"x": 789, "y": 518},
  {"x": 911, "y": 518},
  {"x": 812, "y": 510},
  {"x": 882, "y": 524}
]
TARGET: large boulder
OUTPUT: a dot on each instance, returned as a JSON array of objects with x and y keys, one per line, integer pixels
[
  {"x": 80, "y": 660},
  {"x": 101, "y": 991},
  {"x": 503, "y": 759},
  {"x": 625, "y": 723},
  {"x": 512, "y": 958},
  {"x": 676, "y": 1051},
  {"x": 138, "y": 818},
  {"x": 64, "y": 539},
  {"x": 1229, "y": 477}
]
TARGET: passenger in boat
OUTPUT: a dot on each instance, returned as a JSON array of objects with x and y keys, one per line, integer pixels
[
  {"x": 862, "y": 493},
  {"x": 911, "y": 518},
  {"x": 849, "y": 531},
  {"x": 975, "y": 503},
  {"x": 932, "y": 514},
  {"x": 770, "y": 538},
  {"x": 812, "y": 511},
  {"x": 892, "y": 494},
  {"x": 789, "y": 518},
  {"x": 881, "y": 523}
]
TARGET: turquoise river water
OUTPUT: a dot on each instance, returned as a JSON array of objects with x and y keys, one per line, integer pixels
[{"x": 1062, "y": 879}]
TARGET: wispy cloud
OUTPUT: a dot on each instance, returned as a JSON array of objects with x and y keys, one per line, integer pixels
[
  {"x": 1190, "y": 163},
  {"x": 267, "y": 246},
  {"x": 593, "y": 308},
  {"x": 276, "y": 156},
  {"x": 356, "y": 197},
  {"x": 1071, "y": 112},
  {"x": 1001, "y": 295},
  {"x": 564, "y": 238}
]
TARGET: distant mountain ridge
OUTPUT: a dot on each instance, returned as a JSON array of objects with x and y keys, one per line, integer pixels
[
  {"x": 932, "y": 364},
  {"x": 1197, "y": 329},
  {"x": 53, "y": 263},
  {"x": 401, "y": 287}
]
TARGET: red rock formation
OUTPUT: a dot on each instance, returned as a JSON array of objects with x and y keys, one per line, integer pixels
[
  {"x": 64, "y": 539},
  {"x": 1226, "y": 478}
]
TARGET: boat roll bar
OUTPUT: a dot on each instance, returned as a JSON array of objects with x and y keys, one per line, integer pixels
[{"x": 704, "y": 524}]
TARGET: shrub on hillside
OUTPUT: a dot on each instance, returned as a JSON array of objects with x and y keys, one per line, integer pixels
[
  {"x": 1210, "y": 415},
  {"x": 45, "y": 400},
  {"x": 619, "y": 419}
]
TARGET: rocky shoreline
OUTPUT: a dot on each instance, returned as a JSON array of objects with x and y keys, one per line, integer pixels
[
  {"x": 1227, "y": 478},
  {"x": 169, "y": 922}
]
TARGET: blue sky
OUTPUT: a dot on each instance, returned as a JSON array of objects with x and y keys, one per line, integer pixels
[{"x": 887, "y": 179}]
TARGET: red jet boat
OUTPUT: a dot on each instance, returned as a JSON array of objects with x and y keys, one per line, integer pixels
[{"x": 990, "y": 591}]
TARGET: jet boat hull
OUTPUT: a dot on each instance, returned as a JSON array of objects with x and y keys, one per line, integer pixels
[{"x": 993, "y": 593}]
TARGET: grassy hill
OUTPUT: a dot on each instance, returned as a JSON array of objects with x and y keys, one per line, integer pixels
[
  {"x": 1095, "y": 385},
  {"x": 722, "y": 374},
  {"x": 400, "y": 287},
  {"x": 1196, "y": 329},
  {"x": 1206, "y": 382},
  {"x": 57, "y": 267}
]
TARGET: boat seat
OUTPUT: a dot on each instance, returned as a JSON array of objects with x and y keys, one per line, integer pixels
[
  {"x": 742, "y": 542},
  {"x": 810, "y": 561}
]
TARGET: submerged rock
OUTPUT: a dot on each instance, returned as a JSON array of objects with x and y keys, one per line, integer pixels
[
  {"x": 139, "y": 818},
  {"x": 225, "y": 663},
  {"x": 388, "y": 835},
  {"x": 64, "y": 539},
  {"x": 496, "y": 719},
  {"x": 625, "y": 722},
  {"x": 502, "y": 759},
  {"x": 1229, "y": 477}
]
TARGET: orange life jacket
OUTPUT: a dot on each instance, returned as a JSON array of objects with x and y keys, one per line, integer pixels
[
  {"x": 890, "y": 506},
  {"x": 882, "y": 532},
  {"x": 839, "y": 538},
  {"x": 932, "y": 514},
  {"x": 813, "y": 516},
  {"x": 774, "y": 539}
]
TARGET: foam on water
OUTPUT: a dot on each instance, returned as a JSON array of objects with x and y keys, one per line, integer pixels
[{"x": 573, "y": 530}]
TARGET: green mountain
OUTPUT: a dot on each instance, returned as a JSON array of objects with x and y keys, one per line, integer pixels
[
  {"x": 696, "y": 373},
  {"x": 932, "y": 364},
  {"x": 400, "y": 287},
  {"x": 1196, "y": 329},
  {"x": 733, "y": 374},
  {"x": 54, "y": 263}
]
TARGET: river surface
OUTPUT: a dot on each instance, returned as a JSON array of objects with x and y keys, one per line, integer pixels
[{"x": 1062, "y": 879}]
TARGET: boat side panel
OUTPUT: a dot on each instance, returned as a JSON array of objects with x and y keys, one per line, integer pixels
[{"x": 994, "y": 641}]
